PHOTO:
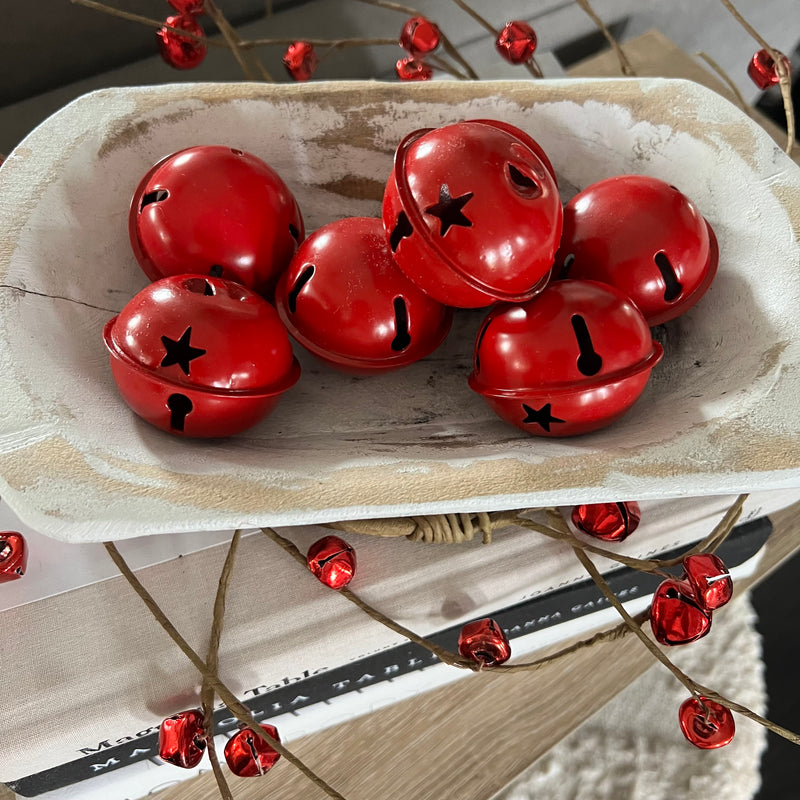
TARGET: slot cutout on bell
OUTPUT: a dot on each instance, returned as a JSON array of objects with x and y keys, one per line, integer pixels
[
  {"x": 215, "y": 271},
  {"x": 295, "y": 234},
  {"x": 5, "y": 550},
  {"x": 589, "y": 362},
  {"x": 523, "y": 184},
  {"x": 180, "y": 407},
  {"x": 478, "y": 345},
  {"x": 302, "y": 280},
  {"x": 672, "y": 286},
  {"x": 153, "y": 197},
  {"x": 671, "y": 593},
  {"x": 566, "y": 266},
  {"x": 199, "y": 286},
  {"x": 402, "y": 230},
  {"x": 237, "y": 152},
  {"x": 402, "y": 338}
]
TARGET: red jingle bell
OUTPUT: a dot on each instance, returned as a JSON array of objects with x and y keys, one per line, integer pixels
[
  {"x": 570, "y": 361},
  {"x": 705, "y": 723},
  {"x": 644, "y": 237},
  {"x": 179, "y": 51},
  {"x": 610, "y": 522},
  {"x": 676, "y": 617},
  {"x": 214, "y": 210},
  {"x": 199, "y": 356},
  {"x": 182, "y": 739},
  {"x": 332, "y": 561},
  {"x": 420, "y": 36},
  {"x": 413, "y": 69},
  {"x": 248, "y": 755},
  {"x": 300, "y": 60},
  {"x": 13, "y": 556},
  {"x": 344, "y": 298},
  {"x": 710, "y": 578},
  {"x": 762, "y": 69},
  {"x": 516, "y": 42},
  {"x": 472, "y": 213},
  {"x": 485, "y": 642}
]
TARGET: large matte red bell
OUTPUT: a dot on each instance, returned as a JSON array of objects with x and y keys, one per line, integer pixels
[
  {"x": 198, "y": 356},
  {"x": 570, "y": 361},
  {"x": 762, "y": 70},
  {"x": 248, "y": 755},
  {"x": 485, "y": 642},
  {"x": 472, "y": 213},
  {"x": 13, "y": 556},
  {"x": 705, "y": 723},
  {"x": 332, "y": 561},
  {"x": 181, "y": 739},
  {"x": 643, "y": 236},
  {"x": 610, "y": 522},
  {"x": 344, "y": 298},
  {"x": 215, "y": 210},
  {"x": 676, "y": 617},
  {"x": 710, "y": 578}
]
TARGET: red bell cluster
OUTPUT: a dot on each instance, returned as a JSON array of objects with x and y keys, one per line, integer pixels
[
  {"x": 178, "y": 50},
  {"x": 419, "y": 38}
]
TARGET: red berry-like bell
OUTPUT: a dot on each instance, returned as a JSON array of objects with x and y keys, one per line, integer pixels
[
  {"x": 485, "y": 642},
  {"x": 182, "y": 739},
  {"x": 516, "y": 42},
  {"x": 644, "y": 237},
  {"x": 13, "y": 556},
  {"x": 344, "y": 298},
  {"x": 611, "y": 522},
  {"x": 570, "y": 361},
  {"x": 762, "y": 69},
  {"x": 300, "y": 60},
  {"x": 676, "y": 617},
  {"x": 179, "y": 51},
  {"x": 710, "y": 578},
  {"x": 472, "y": 213},
  {"x": 218, "y": 211},
  {"x": 413, "y": 69},
  {"x": 332, "y": 561},
  {"x": 193, "y": 7},
  {"x": 706, "y": 724},
  {"x": 420, "y": 36},
  {"x": 199, "y": 356},
  {"x": 248, "y": 755}
]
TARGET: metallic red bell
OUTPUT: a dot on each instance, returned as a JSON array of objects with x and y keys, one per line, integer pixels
[
  {"x": 472, "y": 213},
  {"x": 516, "y": 42},
  {"x": 179, "y": 51},
  {"x": 13, "y": 556},
  {"x": 198, "y": 356},
  {"x": 344, "y": 298},
  {"x": 413, "y": 69},
  {"x": 485, "y": 642},
  {"x": 710, "y": 578},
  {"x": 332, "y": 561},
  {"x": 215, "y": 210},
  {"x": 705, "y": 723},
  {"x": 193, "y": 7},
  {"x": 182, "y": 739},
  {"x": 300, "y": 60},
  {"x": 676, "y": 617},
  {"x": 762, "y": 71},
  {"x": 610, "y": 522},
  {"x": 644, "y": 237},
  {"x": 570, "y": 361},
  {"x": 248, "y": 755},
  {"x": 420, "y": 36}
]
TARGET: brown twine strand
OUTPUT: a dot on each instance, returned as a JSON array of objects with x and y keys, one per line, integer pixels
[
  {"x": 231, "y": 37},
  {"x": 237, "y": 708},
  {"x": 450, "y": 528},
  {"x": 728, "y": 81},
  {"x": 624, "y": 64}
]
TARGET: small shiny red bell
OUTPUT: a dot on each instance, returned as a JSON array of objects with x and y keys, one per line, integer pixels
[
  {"x": 610, "y": 522},
  {"x": 644, "y": 237},
  {"x": 705, "y": 723},
  {"x": 472, "y": 213},
  {"x": 762, "y": 70},
  {"x": 344, "y": 298},
  {"x": 516, "y": 42},
  {"x": 179, "y": 51},
  {"x": 214, "y": 210},
  {"x": 485, "y": 642},
  {"x": 300, "y": 60},
  {"x": 248, "y": 755},
  {"x": 413, "y": 69},
  {"x": 13, "y": 556},
  {"x": 199, "y": 356},
  {"x": 676, "y": 617},
  {"x": 332, "y": 561},
  {"x": 182, "y": 739},
  {"x": 193, "y": 7},
  {"x": 570, "y": 361},
  {"x": 420, "y": 36},
  {"x": 710, "y": 578}
]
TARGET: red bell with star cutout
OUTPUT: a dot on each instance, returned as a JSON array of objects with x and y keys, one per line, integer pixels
[
  {"x": 13, "y": 556},
  {"x": 570, "y": 361},
  {"x": 214, "y": 210},
  {"x": 179, "y": 51},
  {"x": 609, "y": 522},
  {"x": 516, "y": 42},
  {"x": 420, "y": 36},
  {"x": 332, "y": 561},
  {"x": 248, "y": 755},
  {"x": 181, "y": 739},
  {"x": 200, "y": 356},
  {"x": 485, "y": 642},
  {"x": 643, "y": 236},
  {"x": 344, "y": 298},
  {"x": 762, "y": 70},
  {"x": 705, "y": 723},
  {"x": 300, "y": 60},
  {"x": 472, "y": 213},
  {"x": 710, "y": 578},
  {"x": 676, "y": 616}
]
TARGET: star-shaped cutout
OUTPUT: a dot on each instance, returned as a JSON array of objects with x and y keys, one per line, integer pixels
[
  {"x": 179, "y": 351},
  {"x": 448, "y": 209},
  {"x": 541, "y": 416}
]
